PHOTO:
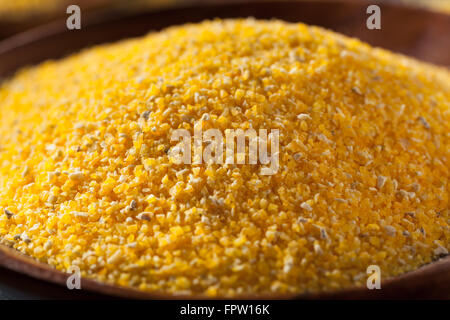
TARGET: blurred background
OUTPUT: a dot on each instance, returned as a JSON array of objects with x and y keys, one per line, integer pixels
[{"x": 19, "y": 15}]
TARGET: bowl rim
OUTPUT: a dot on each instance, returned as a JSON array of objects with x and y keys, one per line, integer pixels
[{"x": 411, "y": 281}]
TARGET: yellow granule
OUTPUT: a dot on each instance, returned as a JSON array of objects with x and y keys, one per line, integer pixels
[{"x": 364, "y": 161}]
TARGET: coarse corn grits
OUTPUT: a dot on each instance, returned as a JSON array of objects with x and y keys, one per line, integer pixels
[{"x": 85, "y": 179}]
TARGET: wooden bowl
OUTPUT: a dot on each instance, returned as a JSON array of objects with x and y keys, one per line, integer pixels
[{"x": 411, "y": 31}]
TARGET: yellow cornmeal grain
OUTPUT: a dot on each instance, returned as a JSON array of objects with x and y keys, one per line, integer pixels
[{"x": 364, "y": 161}]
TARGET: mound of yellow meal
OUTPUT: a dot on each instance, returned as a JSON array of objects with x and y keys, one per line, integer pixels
[{"x": 364, "y": 161}]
